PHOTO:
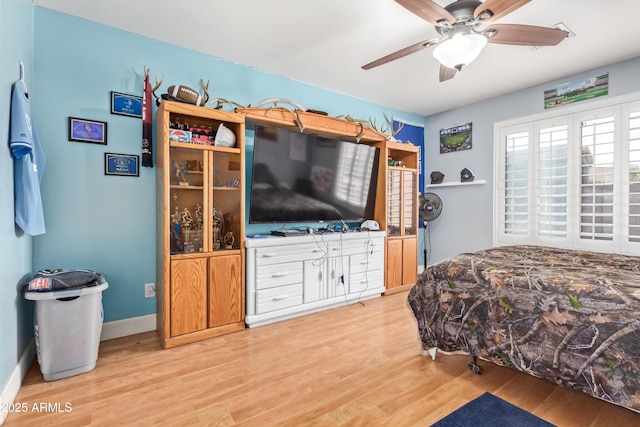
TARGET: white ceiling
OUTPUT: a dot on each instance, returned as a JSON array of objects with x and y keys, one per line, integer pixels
[{"x": 325, "y": 42}]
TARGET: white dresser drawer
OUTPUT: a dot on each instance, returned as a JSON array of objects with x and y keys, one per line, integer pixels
[
  {"x": 278, "y": 298},
  {"x": 364, "y": 281},
  {"x": 284, "y": 254},
  {"x": 366, "y": 262},
  {"x": 274, "y": 275}
]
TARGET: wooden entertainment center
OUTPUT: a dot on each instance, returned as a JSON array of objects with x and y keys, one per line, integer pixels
[
  {"x": 201, "y": 238},
  {"x": 396, "y": 212}
]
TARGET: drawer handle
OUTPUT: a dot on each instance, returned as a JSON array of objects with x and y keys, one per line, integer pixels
[
  {"x": 280, "y": 297},
  {"x": 316, "y": 250},
  {"x": 267, "y": 255},
  {"x": 364, "y": 262},
  {"x": 335, "y": 249},
  {"x": 279, "y": 274}
]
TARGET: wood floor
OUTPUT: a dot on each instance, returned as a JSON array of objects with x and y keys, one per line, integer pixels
[{"x": 356, "y": 366}]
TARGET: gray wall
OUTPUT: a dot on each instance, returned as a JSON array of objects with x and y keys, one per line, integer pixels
[{"x": 466, "y": 221}]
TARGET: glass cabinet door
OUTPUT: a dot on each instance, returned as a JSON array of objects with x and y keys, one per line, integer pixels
[
  {"x": 225, "y": 201},
  {"x": 394, "y": 193},
  {"x": 409, "y": 202},
  {"x": 187, "y": 200}
]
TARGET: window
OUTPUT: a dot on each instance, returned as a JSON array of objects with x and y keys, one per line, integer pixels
[{"x": 570, "y": 180}]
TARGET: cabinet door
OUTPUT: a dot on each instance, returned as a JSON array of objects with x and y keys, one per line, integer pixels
[
  {"x": 186, "y": 200},
  {"x": 315, "y": 280},
  {"x": 394, "y": 203},
  {"x": 226, "y": 200},
  {"x": 409, "y": 202},
  {"x": 338, "y": 275},
  {"x": 409, "y": 261},
  {"x": 188, "y": 296},
  {"x": 394, "y": 263},
  {"x": 225, "y": 291}
]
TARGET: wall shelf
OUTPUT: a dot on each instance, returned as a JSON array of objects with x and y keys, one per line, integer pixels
[{"x": 456, "y": 184}]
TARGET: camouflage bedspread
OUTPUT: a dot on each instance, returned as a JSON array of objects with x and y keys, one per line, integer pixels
[{"x": 571, "y": 317}]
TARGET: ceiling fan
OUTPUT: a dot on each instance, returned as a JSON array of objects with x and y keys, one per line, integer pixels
[{"x": 466, "y": 26}]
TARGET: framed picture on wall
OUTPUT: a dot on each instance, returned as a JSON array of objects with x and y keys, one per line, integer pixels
[
  {"x": 456, "y": 138},
  {"x": 121, "y": 164},
  {"x": 84, "y": 130},
  {"x": 126, "y": 105}
]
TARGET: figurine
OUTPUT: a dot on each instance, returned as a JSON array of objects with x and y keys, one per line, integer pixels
[
  {"x": 182, "y": 172},
  {"x": 228, "y": 240},
  {"x": 199, "y": 218},
  {"x": 187, "y": 220},
  {"x": 176, "y": 244},
  {"x": 217, "y": 227}
]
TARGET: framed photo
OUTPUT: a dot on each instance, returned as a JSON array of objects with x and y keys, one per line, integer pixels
[
  {"x": 121, "y": 164},
  {"x": 126, "y": 105},
  {"x": 83, "y": 130},
  {"x": 456, "y": 138},
  {"x": 578, "y": 90}
]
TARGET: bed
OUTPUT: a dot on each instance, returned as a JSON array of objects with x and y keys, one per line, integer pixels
[{"x": 571, "y": 317}]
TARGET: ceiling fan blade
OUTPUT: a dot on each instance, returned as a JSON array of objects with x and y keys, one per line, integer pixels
[
  {"x": 498, "y": 9},
  {"x": 447, "y": 73},
  {"x": 429, "y": 11},
  {"x": 401, "y": 53},
  {"x": 525, "y": 35}
]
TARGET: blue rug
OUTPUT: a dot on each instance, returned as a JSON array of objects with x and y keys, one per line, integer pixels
[{"x": 491, "y": 411}]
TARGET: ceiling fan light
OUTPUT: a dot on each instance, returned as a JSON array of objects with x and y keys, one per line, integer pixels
[{"x": 460, "y": 50}]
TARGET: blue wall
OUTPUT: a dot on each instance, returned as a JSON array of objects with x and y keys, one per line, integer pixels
[
  {"x": 107, "y": 224},
  {"x": 466, "y": 220},
  {"x": 16, "y": 248}
]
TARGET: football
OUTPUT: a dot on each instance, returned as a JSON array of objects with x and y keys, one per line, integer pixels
[{"x": 185, "y": 94}]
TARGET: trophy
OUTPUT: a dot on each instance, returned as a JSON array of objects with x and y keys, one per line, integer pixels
[
  {"x": 187, "y": 225},
  {"x": 228, "y": 240},
  {"x": 181, "y": 171},
  {"x": 197, "y": 233},
  {"x": 176, "y": 218},
  {"x": 217, "y": 228}
]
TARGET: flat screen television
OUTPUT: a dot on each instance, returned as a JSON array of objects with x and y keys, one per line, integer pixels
[{"x": 299, "y": 177}]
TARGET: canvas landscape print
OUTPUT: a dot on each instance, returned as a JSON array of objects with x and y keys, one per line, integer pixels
[{"x": 579, "y": 90}]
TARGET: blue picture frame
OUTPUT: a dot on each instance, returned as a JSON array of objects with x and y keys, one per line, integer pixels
[
  {"x": 124, "y": 104},
  {"x": 83, "y": 130},
  {"x": 121, "y": 164}
]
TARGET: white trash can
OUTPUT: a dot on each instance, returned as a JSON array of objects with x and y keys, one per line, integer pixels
[{"x": 67, "y": 329}]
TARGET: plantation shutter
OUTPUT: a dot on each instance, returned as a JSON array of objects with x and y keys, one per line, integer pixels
[
  {"x": 634, "y": 174},
  {"x": 553, "y": 148},
  {"x": 516, "y": 184},
  {"x": 597, "y": 178},
  {"x": 570, "y": 180}
]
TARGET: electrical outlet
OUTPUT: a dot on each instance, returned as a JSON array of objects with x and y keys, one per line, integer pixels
[{"x": 149, "y": 290}]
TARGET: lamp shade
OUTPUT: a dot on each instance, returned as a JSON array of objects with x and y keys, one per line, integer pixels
[{"x": 460, "y": 50}]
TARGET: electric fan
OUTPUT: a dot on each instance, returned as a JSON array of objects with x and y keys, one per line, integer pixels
[{"x": 429, "y": 208}]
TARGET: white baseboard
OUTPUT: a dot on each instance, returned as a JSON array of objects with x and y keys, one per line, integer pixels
[
  {"x": 131, "y": 326},
  {"x": 10, "y": 391}
]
